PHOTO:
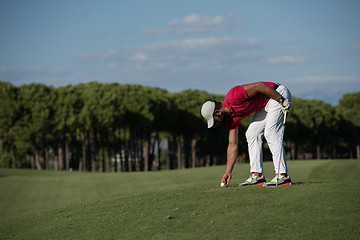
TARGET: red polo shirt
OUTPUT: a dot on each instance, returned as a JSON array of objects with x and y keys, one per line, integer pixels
[{"x": 241, "y": 105}]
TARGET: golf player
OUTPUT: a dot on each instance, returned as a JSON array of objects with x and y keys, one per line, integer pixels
[{"x": 270, "y": 102}]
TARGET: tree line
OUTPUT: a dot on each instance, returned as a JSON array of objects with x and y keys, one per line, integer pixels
[{"x": 128, "y": 127}]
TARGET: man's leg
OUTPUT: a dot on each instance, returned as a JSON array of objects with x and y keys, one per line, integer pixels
[
  {"x": 254, "y": 137},
  {"x": 274, "y": 129},
  {"x": 274, "y": 137}
]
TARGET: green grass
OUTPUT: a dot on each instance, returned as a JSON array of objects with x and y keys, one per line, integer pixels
[{"x": 323, "y": 203}]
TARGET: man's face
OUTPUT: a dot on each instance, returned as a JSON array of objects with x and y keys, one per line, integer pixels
[{"x": 219, "y": 117}]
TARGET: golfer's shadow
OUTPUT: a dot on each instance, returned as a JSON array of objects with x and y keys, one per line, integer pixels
[{"x": 299, "y": 183}]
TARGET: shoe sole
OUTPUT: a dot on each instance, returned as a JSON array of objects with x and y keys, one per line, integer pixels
[
  {"x": 285, "y": 184},
  {"x": 260, "y": 184}
]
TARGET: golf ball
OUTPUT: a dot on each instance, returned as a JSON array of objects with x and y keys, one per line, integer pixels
[{"x": 222, "y": 184}]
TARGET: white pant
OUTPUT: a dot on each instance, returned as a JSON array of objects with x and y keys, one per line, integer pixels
[{"x": 269, "y": 123}]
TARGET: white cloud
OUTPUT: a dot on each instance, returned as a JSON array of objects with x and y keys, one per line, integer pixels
[
  {"x": 155, "y": 31},
  {"x": 196, "y": 24},
  {"x": 196, "y": 54},
  {"x": 85, "y": 55},
  {"x": 355, "y": 50},
  {"x": 199, "y": 44},
  {"x": 285, "y": 60},
  {"x": 139, "y": 56},
  {"x": 186, "y": 51},
  {"x": 98, "y": 55},
  {"x": 97, "y": 32},
  {"x": 112, "y": 65},
  {"x": 191, "y": 57},
  {"x": 195, "y": 19}
]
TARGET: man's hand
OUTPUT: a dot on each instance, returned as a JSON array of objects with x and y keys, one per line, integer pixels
[
  {"x": 232, "y": 152},
  {"x": 284, "y": 104},
  {"x": 226, "y": 179}
]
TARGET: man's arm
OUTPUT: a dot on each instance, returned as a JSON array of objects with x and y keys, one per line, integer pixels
[
  {"x": 232, "y": 153},
  {"x": 254, "y": 88}
]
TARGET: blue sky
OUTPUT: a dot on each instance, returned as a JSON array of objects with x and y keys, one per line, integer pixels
[{"x": 313, "y": 47}]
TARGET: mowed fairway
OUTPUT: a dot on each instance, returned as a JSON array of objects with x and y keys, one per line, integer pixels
[{"x": 323, "y": 203}]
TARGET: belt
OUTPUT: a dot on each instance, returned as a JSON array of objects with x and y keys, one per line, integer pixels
[{"x": 276, "y": 86}]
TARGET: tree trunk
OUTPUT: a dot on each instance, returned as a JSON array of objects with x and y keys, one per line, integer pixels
[
  {"x": 116, "y": 153},
  {"x": 159, "y": 146},
  {"x": 60, "y": 157},
  {"x": 102, "y": 154},
  {"x": 13, "y": 157},
  {"x": 193, "y": 153},
  {"x": 334, "y": 152},
  {"x": 135, "y": 158},
  {"x": 88, "y": 166},
  {"x": 37, "y": 160},
  {"x": 358, "y": 151},
  {"x": 178, "y": 153},
  {"x": 172, "y": 147},
  {"x": 318, "y": 152},
  {"x": 151, "y": 152},
  {"x": 56, "y": 162},
  {"x": 82, "y": 165},
  {"x": 96, "y": 152},
  {"x": 145, "y": 150},
  {"x": 187, "y": 151},
  {"x": 292, "y": 147},
  {"x": 75, "y": 150},
  {"x": 46, "y": 158},
  {"x": 126, "y": 153},
  {"x": 32, "y": 161},
  {"x": 67, "y": 156},
  {"x": 123, "y": 153},
  {"x": 108, "y": 159}
]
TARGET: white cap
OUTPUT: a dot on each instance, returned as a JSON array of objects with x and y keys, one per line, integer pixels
[{"x": 207, "y": 112}]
